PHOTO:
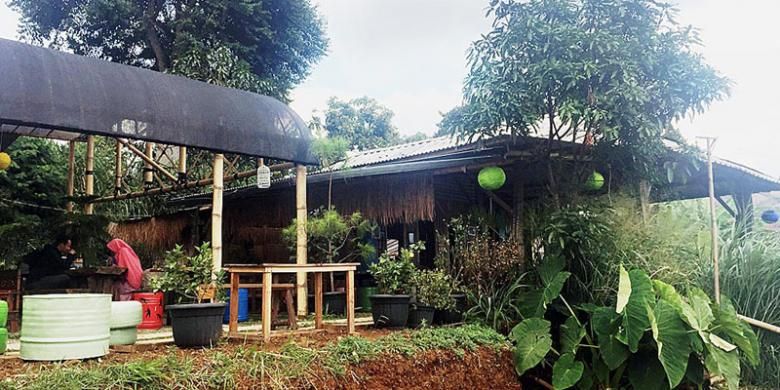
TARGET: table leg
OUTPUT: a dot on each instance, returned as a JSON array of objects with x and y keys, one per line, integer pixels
[
  {"x": 234, "y": 283},
  {"x": 292, "y": 317},
  {"x": 267, "y": 306},
  {"x": 351, "y": 302},
  {"x": 318, "y": 300}
]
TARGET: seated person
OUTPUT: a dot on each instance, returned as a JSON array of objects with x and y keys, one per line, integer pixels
[
  {"x": 124, "y": 256},
  {"x": 48, "y": 265}
]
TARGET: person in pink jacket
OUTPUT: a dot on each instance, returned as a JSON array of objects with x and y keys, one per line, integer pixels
[{"x": 124, "y": 256}]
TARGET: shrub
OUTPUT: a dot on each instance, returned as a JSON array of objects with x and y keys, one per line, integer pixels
[
  {"x": 434, "y": 288},
  {"x": 332, "y": 237},
  {"x": 188, "y": 276},
  {"x": 395, "y": 275}
]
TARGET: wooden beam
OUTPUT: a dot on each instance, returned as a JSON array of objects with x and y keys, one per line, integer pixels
[
  {"x": 726, "y": 206},
  {"x": 301, "y": 254},
  {"x": 71, "y": 174},
  {"x": 216, "y": 212},
  {"x": 499, "y": 202},
  {"x": 147, "y": 159},
  {"x": 189, "y": 185},
  {"x": 89, "y": 175}
]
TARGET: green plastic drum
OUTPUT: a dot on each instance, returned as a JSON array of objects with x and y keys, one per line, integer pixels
[
  {"x": 3, "y": 340},
  {"x": 3, "y": 313},
  {"x": 65, "y": 326},
  {"x": 364, "y": 297},
  {"x": 125, "y": 317}
]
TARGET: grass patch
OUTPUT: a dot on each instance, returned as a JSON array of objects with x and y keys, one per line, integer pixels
[{"x": 292, "y": 365}]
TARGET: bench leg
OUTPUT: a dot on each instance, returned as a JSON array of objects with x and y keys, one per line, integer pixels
[{"x": 292, "y": 318}]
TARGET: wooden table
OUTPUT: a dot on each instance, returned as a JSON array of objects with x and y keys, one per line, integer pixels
[
  {"x": 268, "y": 269},
  {"x": 98, "y": 280}
]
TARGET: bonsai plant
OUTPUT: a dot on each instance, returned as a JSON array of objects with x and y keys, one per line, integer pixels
[
  {"x": 390, "y": 308},
  {"x": 433, "y": 291},
  {"x": 333, "y": 238},
  {"x": 191, "y": 280}
]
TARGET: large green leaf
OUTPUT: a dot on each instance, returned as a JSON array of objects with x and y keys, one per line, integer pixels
[
  {"x": 532, "y": 342},
  {"x": 567, "y": 372},
  {"x": 724, "y": 364},
  {"x": 550, "y": 267},
  {"x": 571, "y": 335},
  {"x": 645, "y": 372},
  {"x": 667, "y": 292},
  {"x": 671, "y": 337},
  {"x": 635, "y": 321},
  {"x": 532, "y": 304},
  {"x": 624, "y": 290},
  {"x": 553, "y": 289},
  {"x": 697, "y": 313},
  {"x": 606, "y": 324},
  {"x": 695, "y": 372},
  {"x": 729, "y": 325}
]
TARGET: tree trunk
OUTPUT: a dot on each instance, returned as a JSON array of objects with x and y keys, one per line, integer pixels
[{"x": 161, "y": 58}]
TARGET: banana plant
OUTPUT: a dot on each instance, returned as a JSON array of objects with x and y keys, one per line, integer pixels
[{"x": 652, "y": 338}]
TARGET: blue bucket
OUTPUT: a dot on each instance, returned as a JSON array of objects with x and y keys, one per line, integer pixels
[{"x": 243, "y": 306}]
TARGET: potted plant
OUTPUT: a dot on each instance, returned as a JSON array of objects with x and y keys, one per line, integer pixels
[
  {"x": 333, "y": 238},
  {"x": 433, "y": 291},
  {"x": 390, "y": 308},
  {"x": 191, "y": 280}
]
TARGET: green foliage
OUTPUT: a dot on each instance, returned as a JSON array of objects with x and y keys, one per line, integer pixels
[
  {"x": 395, "y": 275},
  {"x": 187, "y": 276},
  {"x": 434, "y": 288},
  {"x": 271, "y": 45},
  {"x": 332, "y": 237},
  {"x": 291, "y": 366},
  {"x": 330, "y": 150},
  {"x": 686, "y": 331},
  {"x": 618, "y": 72},
  {"x": 363, "y": 123},
  {"x": 501, "y": 309}
]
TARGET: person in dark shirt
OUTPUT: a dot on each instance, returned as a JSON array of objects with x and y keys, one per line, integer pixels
[{"x": 48, "y": 265}]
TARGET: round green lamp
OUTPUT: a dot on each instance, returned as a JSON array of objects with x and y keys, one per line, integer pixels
[
  {"x": 491, "y": 178},
  {"x": 5, "y": 161},
  {"x": 595, "y": 181}
]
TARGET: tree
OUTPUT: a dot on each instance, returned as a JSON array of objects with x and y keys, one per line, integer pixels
[
  {"x": 363, "y": 122},
  {"x": 272, "y": 43},
  {"x": 614, "y": 73}
]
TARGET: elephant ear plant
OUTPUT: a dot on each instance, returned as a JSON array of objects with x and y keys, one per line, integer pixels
[
  {"x": 653, "y": 338},
  {"x": 191, "y": 279},
  {"x": 393, "y": 276}
]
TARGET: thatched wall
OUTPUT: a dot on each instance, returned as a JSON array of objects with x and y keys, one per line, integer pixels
[{"x": 157, "y": 234}]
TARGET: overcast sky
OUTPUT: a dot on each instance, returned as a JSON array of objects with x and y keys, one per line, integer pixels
[{"x": 410, "y": 56}]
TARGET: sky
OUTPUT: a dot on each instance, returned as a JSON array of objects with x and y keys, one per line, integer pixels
[{"x": 410, "y": 55}]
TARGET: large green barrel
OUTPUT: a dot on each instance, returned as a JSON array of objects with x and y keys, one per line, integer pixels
[
  {"x": 65, "y": 326},
  {"x": 364, "y": 297},
  {"x": 3, "y": 340},
  {"x": 3, "y": 313},
  {"x": 125, "y": 316}
]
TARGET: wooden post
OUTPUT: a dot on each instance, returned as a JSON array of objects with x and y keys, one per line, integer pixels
[
  {"x": 71, "y": 174},
  {"x": 216, "y": 212},
  {"x": 713, "y": 221},
  {"x": 644, "y": 199},
  {"x": 301, "y": 239},
  {"x": 118, "y": 170},
  {"x": 234, "y": 284},
  {"x": 350, "y": 302},
  {"x": 182, "y": 163},
  {"x": 89, "y": 175},
  {"x": 267, "y": 283},
  {"x": 148, "y": 170},
  {"x": 318, "y": 300}
]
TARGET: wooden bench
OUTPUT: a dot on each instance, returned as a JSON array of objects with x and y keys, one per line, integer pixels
[{"x": 281, "y": 291}]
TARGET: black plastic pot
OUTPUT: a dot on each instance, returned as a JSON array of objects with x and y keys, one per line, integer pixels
[
  {"x": 453, "y": 316},
  {"x": 196, "y": 324},
  {"x": 332, "y": 303},
  {"x": 420, "y": 315},
  {"x": 390, "y": 311}
]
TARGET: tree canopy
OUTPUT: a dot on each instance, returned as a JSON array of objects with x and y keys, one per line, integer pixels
[
  {"x": 268, "y": 45},
  {"x": 362, "y": 122},
  {"x": 615, "y": 73}
]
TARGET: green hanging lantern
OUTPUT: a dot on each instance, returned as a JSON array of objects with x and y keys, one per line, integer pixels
[
  {"x": 595, "y": 181},
  {"x": 491, "y": 178}
]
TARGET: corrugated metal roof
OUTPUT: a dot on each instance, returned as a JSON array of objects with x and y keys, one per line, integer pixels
[{"x": 398, "y": 152}]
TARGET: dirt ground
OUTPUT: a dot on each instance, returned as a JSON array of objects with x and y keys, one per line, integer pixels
[{"x": 482, "y": 369}]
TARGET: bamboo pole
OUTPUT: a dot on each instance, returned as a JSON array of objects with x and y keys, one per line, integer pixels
[
  {"x": 118, "y": 168},
  {"x": 148, "y": 169},
  {"x": 149, "y": 161},
  {"x": 182, "y": 163},
  {"x": 189, "y": 185},
  {"x": 759, "y": 324},
  {"x": 71, "y": 174},
  {"x": 216, "y": 212},
  {"x": 301, "y": 239},
  {"x": 713, "y": 221},
  {"x": 89, "y": 175}
]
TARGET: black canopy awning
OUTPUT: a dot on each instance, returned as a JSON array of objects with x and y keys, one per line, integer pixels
[{"x": 48, "y": 93}]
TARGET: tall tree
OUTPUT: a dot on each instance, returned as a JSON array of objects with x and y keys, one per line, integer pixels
[
  {"x": 362, "y": 122},
  {"x": 270, "y": 44},
  {"x": 617, "y": 73}
]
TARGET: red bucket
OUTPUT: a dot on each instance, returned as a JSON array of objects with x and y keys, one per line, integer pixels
[{"x": 152, "y": 310}]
